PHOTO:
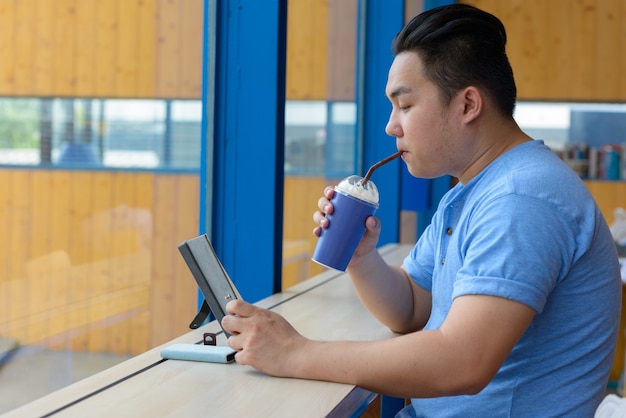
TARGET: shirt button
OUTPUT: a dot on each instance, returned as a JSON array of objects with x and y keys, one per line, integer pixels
[
  {"x": 443, "y": 261},
  {"x": 449, "y": 231}
]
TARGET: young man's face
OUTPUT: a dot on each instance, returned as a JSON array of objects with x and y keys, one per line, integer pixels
[{"x": 419, "y": 121}]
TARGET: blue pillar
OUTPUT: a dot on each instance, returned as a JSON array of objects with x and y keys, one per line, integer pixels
[
  {"x": 243, "y": 144},
  {"x": 379, "y": 22}
]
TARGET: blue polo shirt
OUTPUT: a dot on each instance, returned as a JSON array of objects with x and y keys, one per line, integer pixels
[{"x": 527, "y": 229}]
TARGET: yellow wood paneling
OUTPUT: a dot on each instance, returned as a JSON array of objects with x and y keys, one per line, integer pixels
[
  {"x": 86, "y": 51},
  {"x": 23, "y": 58},
  {"x": 39, "y": 237},
  {"x": 608, "y": 195},
  {"x": 187, "y": 201},
  {"x": 307, "y": 34},
  {"x": 93, "y": 257},
  {"x": 64, "y": 46},
  {"x": 107, "y": 48},
  {"x": 163, "y": 260},
  {"x": 5, "y": 224},
  {"x": 147, "y": 51},
  {"x": 191, "y": 29},
  {"x": 57, "y": 262},
  {"x": 561, "y": 49},
  {"x": 168, "y": 53},
  {"x": 610, "y": 46},
  {"x": 107, "y": 31},
  {"x": 581, "y": 64},
  {"x": 301, "y": 196},
  {"x": 127, "y": 47},
  {"x": 44, "y": 54},
  {"x": 7, "y": 23},
  {"x": 341, "y": 51},
  {"x": 565, "y": 49}
]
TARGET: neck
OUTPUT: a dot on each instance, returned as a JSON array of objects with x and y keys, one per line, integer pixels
[{"x": 491, "y": 144}]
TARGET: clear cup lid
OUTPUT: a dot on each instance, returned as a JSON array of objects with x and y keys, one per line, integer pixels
[{"x": 353, "y": 185}]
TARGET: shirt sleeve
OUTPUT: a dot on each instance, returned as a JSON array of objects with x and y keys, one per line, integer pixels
[{"x": 516, "y": 247}]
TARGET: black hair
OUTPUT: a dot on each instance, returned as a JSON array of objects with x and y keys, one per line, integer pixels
[{"x": 461, "y": 46}]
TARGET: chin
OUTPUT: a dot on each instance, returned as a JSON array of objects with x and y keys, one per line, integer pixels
[{"x": 422, "y": 174}]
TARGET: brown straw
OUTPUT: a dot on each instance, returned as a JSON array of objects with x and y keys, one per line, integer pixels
[{"x": 378, "y": 164}]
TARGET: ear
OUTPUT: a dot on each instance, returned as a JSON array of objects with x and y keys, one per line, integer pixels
[{"x": 472, "y": 99}]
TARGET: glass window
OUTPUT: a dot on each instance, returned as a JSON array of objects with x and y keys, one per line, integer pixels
[
  {"x": 590, "y": 137},
  {"x": 320, "y": 120},
  {"x": 95, "y": 196},
  {"x": 101, "y": 133}
]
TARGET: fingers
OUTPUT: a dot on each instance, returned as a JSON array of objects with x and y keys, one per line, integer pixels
[
  {"x": 319, "y": 217},
  {"x": 370, "y": 238},
  {"x": 372, "y": 224},
  {"x": 237, "y": 310},
  {"x": 240, "y": 308}
]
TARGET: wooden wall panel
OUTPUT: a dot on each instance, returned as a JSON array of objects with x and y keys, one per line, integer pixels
[
  {"x": 126, "y": 65},
  {"x": 185, "y": 290},
  {"x": 106, "y": 48},
  {"x": 107, "y": 31},
  {"x": 5, "y": 225},
  {"x": 24, "y": 42},
  {"x": 191, "y": 46},
  {"x": 342, "y": 46},
  {"x": 168, "y": 52},
  {"x": 301, "y": 196},
  {"x": 560, "y": 50},
  {"x": 610, "y": 47},
  {"x": 7, "y": 24},
  {"x": 163, "y": 260},
  {"x": 147, "y": 52},
  {"x": 581, "y": 64},
  {"x": 64, "y": 47},
  {"x": 307, "y": 39},
  {"x": 86, "y": 50},
  {"x": 564, "y": 49},
  {"x": 44, "y": 54},
  {"x": 46, "y": 278},
  {"x": 93, "y": 258}
]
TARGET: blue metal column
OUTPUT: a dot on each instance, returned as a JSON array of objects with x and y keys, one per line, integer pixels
[
  {"x": 244, "y": 107},
  {"x": 379, "y": 22}
]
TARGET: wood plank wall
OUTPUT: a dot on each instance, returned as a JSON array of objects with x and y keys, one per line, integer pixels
[
  {"x": 153, "y": 49},
  {"x": 565, "y": 49},
  {"x": 101, "y": 48},
  {"x": 321, "y": 50},
  {"x": 88, "y": 258}
]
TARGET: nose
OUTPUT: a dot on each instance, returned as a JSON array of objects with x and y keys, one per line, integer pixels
[{"x": 393, "y": 128}]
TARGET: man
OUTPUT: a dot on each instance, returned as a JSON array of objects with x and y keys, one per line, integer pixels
[{"x": 509, "y": 302}]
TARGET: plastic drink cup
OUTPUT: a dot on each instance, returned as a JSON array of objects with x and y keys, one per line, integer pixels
[{"x": 353, "y": 203}]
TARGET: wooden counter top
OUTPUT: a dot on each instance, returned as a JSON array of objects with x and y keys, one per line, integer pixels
[{"x": 323, "y": 307}]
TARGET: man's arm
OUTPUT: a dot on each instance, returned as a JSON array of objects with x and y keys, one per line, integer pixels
[
  {"x": 389, "y": 293},
  {"x": 459, "y": 358}
]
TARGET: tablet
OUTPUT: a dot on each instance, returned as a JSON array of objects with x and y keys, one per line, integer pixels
[{"x": 210, "y": 276}]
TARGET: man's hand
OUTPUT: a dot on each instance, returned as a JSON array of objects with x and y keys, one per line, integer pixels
[{"x": 263, "y": 339}]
